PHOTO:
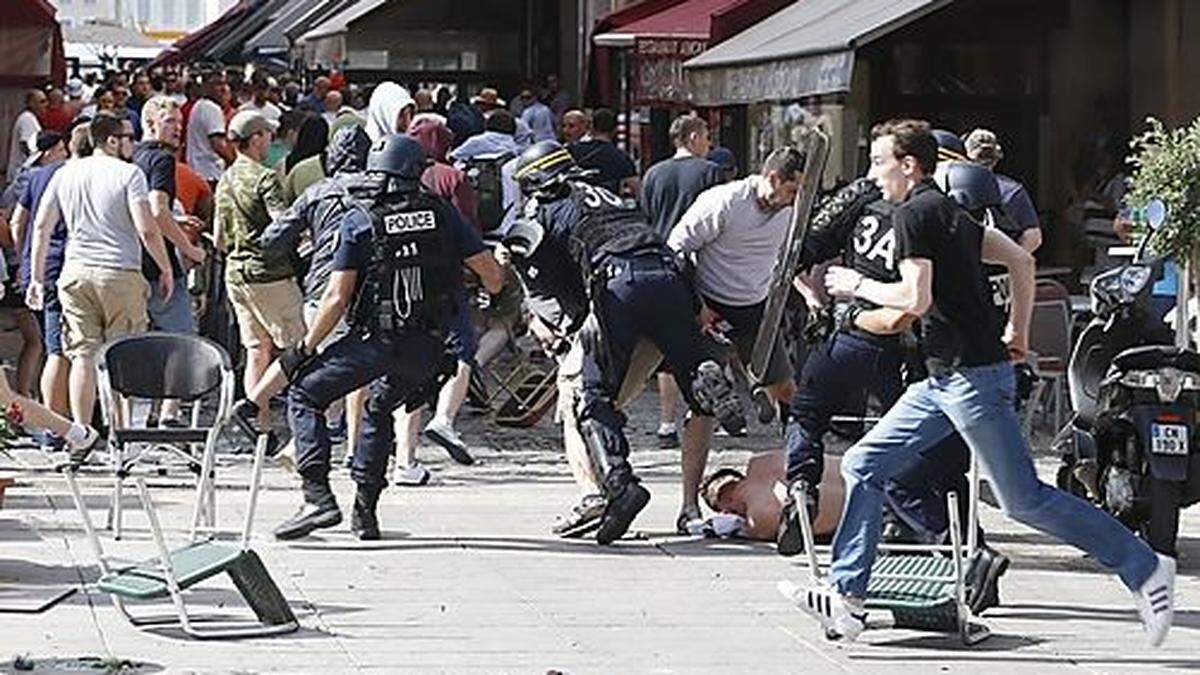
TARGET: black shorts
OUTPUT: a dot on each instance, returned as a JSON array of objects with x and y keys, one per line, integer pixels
[{"x": 744, "y": 322}]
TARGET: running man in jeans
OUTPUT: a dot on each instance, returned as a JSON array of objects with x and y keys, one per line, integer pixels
[{"x": 970, "y": 389}]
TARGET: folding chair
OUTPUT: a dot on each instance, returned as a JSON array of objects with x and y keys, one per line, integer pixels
[
  {"x": 172, "y": 571},
  {"x": 918, "y": 584},
  {"x": 158, "y": 366}
]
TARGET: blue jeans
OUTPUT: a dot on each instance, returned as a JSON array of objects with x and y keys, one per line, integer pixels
[{"x": 978, "y": 403}]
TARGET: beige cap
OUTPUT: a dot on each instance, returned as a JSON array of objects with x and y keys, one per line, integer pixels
[{"x": 247, "y": 123}]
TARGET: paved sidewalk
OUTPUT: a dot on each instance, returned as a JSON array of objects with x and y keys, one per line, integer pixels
[{"x": 467, "y": 580}]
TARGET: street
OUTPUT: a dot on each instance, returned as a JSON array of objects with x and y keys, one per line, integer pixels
[{"x": 468, "y": 580}]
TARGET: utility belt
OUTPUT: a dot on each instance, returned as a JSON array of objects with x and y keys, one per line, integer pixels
[{"x": 604, "y": 267}]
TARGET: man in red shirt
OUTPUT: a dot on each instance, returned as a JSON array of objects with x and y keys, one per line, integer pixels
[{"x": 57, "y": 116}]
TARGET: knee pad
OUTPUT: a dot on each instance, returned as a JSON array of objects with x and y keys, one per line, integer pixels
[
  {"x": 600, "y": 428},
  {"x": 713, "y": 394}
]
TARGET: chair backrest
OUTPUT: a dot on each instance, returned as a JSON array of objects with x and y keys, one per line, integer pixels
[
  {"x": 164, "y": 365},
  {"x": 1050, "y": 329},
  {"x": 1049, "y": 289}
]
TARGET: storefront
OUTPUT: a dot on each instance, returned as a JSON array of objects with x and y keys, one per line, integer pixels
[
  {"x": 637, "y": 68},
  {"x": 498, "y": 43}
]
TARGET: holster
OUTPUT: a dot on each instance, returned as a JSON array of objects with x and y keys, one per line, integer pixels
[{"x": 427, "y": 393}]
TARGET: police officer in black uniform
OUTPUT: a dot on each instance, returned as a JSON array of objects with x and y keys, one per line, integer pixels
[
  {"x": 397, "y": 268},
  {"x": 613, "y": 276}
]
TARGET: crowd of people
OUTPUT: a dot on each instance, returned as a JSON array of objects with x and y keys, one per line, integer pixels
[{"x": 334, "y": 240}]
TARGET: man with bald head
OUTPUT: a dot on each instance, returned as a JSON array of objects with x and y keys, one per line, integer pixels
[
  {"x": 333, "y": 103},
  {"x": 24, "y": 131},
  {"x": 575, "y": 125}
]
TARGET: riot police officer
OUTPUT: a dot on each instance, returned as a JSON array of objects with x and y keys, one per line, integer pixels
[
  {"x": 396, "y": 269},
  {"x": 612, "y": 275}
]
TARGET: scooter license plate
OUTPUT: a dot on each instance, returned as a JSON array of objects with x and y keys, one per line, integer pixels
[{"x": 1168, "y": 439}]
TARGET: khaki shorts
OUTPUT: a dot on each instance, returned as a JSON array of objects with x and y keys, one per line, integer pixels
[
  {"x": 100, "y": 304},
  {"x": 642, "y": 365},
  {"x": 270, "y": 313}
]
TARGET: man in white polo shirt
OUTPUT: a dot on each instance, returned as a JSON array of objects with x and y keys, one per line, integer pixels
[{"x": 103, "y": 199}]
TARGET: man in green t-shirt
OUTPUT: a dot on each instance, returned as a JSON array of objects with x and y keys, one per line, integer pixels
[{"x": 263, "y": 292}]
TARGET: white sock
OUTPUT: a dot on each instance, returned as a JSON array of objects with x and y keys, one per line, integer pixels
[
  {"x": 77, "y": 435},
  {"x": 666, "y": 428}
]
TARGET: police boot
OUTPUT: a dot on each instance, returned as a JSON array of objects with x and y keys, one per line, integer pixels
[
  {"x": 364, "y": 523},
  {"x": 789, "y": 538},
  {"x": 319, "y": 510},
  {"x": 716, "y": 396},
  {"x": 623, "y": 507}
]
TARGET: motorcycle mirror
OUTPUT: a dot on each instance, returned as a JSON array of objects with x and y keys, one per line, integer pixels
[{"x": 1155, "y": 213}]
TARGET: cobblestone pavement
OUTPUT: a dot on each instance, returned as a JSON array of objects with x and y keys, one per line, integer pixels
[{"x": 468, "y": 580}]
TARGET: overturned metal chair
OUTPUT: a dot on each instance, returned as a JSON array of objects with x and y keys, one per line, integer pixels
[
  {"x": 157, "y": 367},
  {"x": 921, "y": 586},
  {"x": 173, "y": 571}
]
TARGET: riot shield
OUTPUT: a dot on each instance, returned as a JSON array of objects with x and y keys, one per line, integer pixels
[{"x": 816, "y": 152}]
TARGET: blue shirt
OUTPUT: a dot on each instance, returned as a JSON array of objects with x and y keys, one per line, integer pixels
[
  {"x": 31, "y": 197},
  {"x": 540, "y": 120},
  {"x": 1017, "y": 205}
]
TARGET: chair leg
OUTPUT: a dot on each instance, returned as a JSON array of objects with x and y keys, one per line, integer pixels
[{"x": 116, "y": 514}]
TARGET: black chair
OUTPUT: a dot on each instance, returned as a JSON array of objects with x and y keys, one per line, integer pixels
[{"x": 157, "y": 367}]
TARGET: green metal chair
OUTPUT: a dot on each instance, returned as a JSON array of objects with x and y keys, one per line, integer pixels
[
  {"x": 919, "y": 586},
  {"x": 173, "y": 571}
]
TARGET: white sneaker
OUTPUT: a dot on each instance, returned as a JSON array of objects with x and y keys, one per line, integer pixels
[
  {"x": 412, "y": 476},
  {"x": 440, "y": 431},
  {"x": 828, "y": 607},
  {"x": 1156, "y": 601}
]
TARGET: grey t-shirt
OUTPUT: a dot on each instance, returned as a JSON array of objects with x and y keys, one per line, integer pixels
[
  {"x": 97, "y": 196},
  {"x": 735, "y": 242}
]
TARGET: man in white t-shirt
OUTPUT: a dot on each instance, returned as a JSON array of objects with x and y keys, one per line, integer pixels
[
  {"x": 103, "y": 199},
  {"x": 207, "y": 149},
  {"x": 24, "y": 131},
  {"x": 259, "y": 102}
]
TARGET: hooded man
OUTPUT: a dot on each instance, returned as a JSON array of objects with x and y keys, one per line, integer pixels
[
  {"x": 390, "y": 111},
  {"x": 442, "y": 178}
]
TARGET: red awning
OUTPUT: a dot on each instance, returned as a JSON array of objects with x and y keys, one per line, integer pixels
[
  {"x": 20, "y": 17},
  {"x": 712, "y": 21},
  {"x": 686, "y": 19}
]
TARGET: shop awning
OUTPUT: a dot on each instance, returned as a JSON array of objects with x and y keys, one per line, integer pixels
[
  {"x": 314, "y": 17},
  {"x": 802, "y": 50},
  {"x": 688, "y": 19},
  {"x": 33, "y": 47},
  {"x": 340, "y": 22},
  {"x": 272, "y": 38},
  {"x": 194, "y": 45},
  {"x": 662, "y": 34}
]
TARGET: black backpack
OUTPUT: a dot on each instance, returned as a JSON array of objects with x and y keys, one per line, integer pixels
[{"x": 484, "y": 173}]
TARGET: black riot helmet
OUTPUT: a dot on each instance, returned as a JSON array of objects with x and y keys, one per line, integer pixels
[
  {"x": 401, "y": 158},
  {"x": 972, "y": 185},
  {"x": 543, "y": 168}
]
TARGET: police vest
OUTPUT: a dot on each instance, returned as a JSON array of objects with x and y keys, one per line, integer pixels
[
  {"x": 603, "y": 225},
  {"x": 999, "y": 281},
  {"x": 415, "y": 266}
]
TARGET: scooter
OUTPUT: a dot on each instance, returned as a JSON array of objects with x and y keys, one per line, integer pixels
[{"x": 1131, "y": 447}]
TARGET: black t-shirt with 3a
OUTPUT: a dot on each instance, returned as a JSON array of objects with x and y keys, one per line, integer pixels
[{"x": 962, "y": 327}]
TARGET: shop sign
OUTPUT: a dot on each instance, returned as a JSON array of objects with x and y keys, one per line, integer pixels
[
  {"x": 780, "y": 80},
  {"x": 658, "y": 69}
]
